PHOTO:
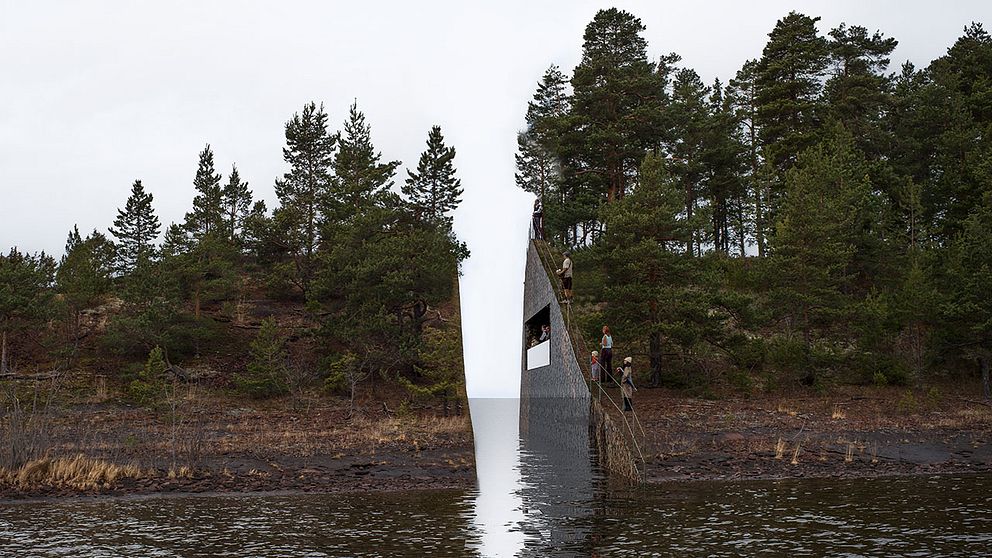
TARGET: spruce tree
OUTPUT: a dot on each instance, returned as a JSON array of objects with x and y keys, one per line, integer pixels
[
  {"x": 433, "y": 191},
  {"x": 207, "y": 216},
  {"x": 968, "y": 309},
  {"x": 652, "y": 280},
  {"x": 135, "y": 229}
]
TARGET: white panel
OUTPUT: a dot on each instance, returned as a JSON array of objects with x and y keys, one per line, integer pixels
[{"x": 539, "y": 355}]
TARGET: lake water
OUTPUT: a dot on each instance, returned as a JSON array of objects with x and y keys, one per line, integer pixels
[{"x": 533, "y": 499}]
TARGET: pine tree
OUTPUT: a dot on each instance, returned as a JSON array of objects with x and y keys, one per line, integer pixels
[
  {"x": 690, "y": 116},
  {"x": 362, "y": 180},
  {"x": 207, "y": 216},
  {"x": 304, "y": 191},
  {"x": 742, "y": 96},
  {"x": 788, "y": 84},
  {"x": 817, "y": 236},
  {"x": 652, "y": 279},
  {"x": 857, "y": 93},
  {"x": 616, "y": 106},
  {"x": 955, "y": 134},
  {"x": 266, "y": 373},
  {"x": 236, "y": 201},
  {"x": 968, "y": 309},
  {"x": 538, "y": 147},
  {"x": 135, "y": 229},
  {"x": 83, "y": 276},
  {"x": 433, "y": 190},
  {"x": 723, "y": 156},
  {"x": 25, "y": 299}
]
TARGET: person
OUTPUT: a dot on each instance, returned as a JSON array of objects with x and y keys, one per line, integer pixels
[
  {"x": 545, "y": 333},
  {"x": 594, "y": 366},
  {"x": 606, "y": 346},
  {"x": 627, "y": 383},
  {"x": 538, "y": 217},
  {"x": 566, "y": 277}
]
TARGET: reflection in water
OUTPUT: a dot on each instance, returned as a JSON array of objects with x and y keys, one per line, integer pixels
[
  {"x": 498, "y": 510},
  {"x": 556, "y": 469},
  {"x": 533, "y": 500}
]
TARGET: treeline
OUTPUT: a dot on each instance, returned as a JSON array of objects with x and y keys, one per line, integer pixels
[
  {"x": 814, "y": 218},
  {"x": 361, "y": 265}
]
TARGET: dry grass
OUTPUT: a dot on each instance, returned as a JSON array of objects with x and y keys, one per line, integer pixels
[
  {"x": 795, "y": 454},
  {"x": 787, "y": 410},
  {"x": 78, "y": 472},
  {"x": 838, "y": 414},
  {"x": 780, "y": 449}
]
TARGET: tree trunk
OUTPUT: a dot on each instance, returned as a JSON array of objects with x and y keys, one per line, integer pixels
[
  {"x": 3, "y": 353},
  {"x": 654, "y": 355},
  {"x": 196, "y": 302},
  {"x": 983, "y": 363}
]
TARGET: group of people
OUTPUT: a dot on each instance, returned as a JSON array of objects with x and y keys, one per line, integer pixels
[
  {"x": 602, "y": 360},
  {"x": 601, "y": 369},
  {"x": 541, "y": 337}
]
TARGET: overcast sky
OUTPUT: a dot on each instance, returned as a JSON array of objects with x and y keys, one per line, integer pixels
[{"x": 96, "y": 94}]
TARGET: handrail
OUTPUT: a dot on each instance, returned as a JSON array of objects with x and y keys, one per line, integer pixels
[{"x": 579, "y": 345}]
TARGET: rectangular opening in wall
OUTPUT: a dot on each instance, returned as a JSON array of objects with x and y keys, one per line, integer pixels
[{"x": 538, "y": 339}]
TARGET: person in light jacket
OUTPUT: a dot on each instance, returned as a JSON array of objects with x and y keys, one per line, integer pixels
[
  {"x": 566, "y": 277},
  {"x": 627, "y": 383}
]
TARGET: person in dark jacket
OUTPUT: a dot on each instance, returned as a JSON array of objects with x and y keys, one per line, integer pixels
[{"x": 538, "y": 218}]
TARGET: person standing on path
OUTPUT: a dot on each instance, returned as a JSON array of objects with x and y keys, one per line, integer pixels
[
  {"x": 606, "y": 350},
  {"x": 538, "y": 218},
  {"x": 566, "y": 277},
  {"x": 627, "y": 384}
]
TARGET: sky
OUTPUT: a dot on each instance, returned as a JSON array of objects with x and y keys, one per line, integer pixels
[{"x": 96, "y": 94}]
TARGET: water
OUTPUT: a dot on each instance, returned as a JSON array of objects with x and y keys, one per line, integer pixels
[{"x": 536, "y": 498}]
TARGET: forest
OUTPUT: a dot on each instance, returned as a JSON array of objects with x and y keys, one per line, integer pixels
[
  {"x": 349, "y": 282},
  {"x": 818, "y": 219}
]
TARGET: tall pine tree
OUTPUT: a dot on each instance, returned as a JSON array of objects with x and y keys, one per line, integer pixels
[
  {"x": 433, "y": 190},
  {"x": 135, "y": 228},
  {"x": 236, "y": 200},
  {"x": 207, "y": 216},
  {"x": 304, "y": 191},
  {"x": 362, "y": 179}
]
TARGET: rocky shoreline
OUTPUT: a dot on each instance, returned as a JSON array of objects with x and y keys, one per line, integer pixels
[
  {"x": 853, "y": 433},
  {"x": 110, "y": 449}
]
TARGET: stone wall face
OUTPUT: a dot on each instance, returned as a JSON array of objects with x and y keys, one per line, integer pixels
[
  {"x": 556, "y": 409},
  {"x": 562, "y": 378}
]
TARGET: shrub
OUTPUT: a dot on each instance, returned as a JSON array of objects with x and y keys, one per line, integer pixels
[
  {"x": 266, "y": 372},
  {"x": 147, "y": 387}
]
